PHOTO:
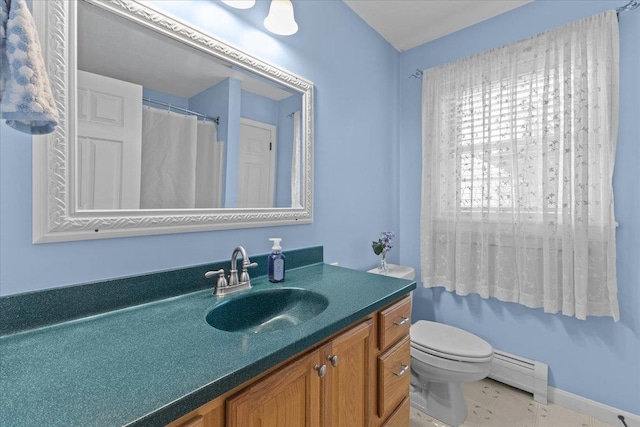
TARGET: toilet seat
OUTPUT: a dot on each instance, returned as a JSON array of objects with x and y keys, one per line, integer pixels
[
  {"x": 443, "y": 358},
  {"x": 449, "y": 342}
]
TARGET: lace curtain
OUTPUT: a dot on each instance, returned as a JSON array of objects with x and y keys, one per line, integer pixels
[
  {"x": 518, "y": 154},
  {"x": 295, "y": 162}
]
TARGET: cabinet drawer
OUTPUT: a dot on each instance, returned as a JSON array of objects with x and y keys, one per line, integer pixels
[
  {"x": 394, "y": 323},
  {"x": 394, "y": 377},
  {"x": 401, "y": 417},
  {"x": 194, "y": 422}
]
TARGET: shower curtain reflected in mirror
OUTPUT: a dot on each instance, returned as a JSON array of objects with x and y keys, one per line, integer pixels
[
  {"x": 209, "y": 167},
  {"x": 181, "y": 162},
  {"x": 295, "y": 162}
]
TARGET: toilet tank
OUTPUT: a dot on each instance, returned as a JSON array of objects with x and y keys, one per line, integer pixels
[{"x": 399, "y": 271}]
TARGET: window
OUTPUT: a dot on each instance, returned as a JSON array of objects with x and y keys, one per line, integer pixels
[
  {"x": 499, "y": 130},
  {"x": 518, "y": 149}
]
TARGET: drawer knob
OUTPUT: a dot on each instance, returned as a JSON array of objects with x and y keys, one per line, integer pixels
[
  {"x": 404, "y": 320},
  {"x": 322, "y": 369},
  {"x": 402, "y": 371},
  {"x": 333, "y": 358}
]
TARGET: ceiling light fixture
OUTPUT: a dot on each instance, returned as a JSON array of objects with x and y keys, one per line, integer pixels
[
  {"x": 240, "y": 4},
  {"x": 280, "y": 19}
]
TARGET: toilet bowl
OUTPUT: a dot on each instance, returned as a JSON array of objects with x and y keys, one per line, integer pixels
[{"x": 442, "y": 358}]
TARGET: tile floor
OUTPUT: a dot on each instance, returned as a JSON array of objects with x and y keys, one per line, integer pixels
[{"x": 493, "y": 404}]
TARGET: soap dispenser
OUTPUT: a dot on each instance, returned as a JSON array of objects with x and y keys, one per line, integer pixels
[{"x": 276, "y": 262}]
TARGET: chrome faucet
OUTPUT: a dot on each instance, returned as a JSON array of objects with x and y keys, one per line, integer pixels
[{"x": 235, "y": 283}]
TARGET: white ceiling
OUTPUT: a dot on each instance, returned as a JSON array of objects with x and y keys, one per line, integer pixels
[
  {"x": 113, "y": 47},
  {"x": 409, "y": 23},
  {"x": 117, "y": 48}
]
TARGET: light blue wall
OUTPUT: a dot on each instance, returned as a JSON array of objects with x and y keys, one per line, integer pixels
[
  {"x": 156, "y": 95},
  {"x": 353, "y": 132},
  {"x": 596, "y": 358},
  {"x": 216, "y": 101},
  {"x": 285, "y": 148},
  {"x": 367, "y": 179},
  {"x": 223, "y": 100},
  {"x": 258, "y": 108},
  {"x": 232, "y": 148}
]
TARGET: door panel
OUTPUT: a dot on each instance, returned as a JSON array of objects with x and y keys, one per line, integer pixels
[
  {"x": 256, "y": 168},
  {"x": 100, "y": 168},
  {"x": 109, "y": 142}
]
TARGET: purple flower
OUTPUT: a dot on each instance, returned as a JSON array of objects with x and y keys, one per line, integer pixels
[{"x": 384, "y": 243}]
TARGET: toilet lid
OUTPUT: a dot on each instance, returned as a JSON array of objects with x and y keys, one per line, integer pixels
[{"x": 449, "y": 342}]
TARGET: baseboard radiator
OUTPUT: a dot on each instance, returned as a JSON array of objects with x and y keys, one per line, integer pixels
[{"x": 524, "y": 374}]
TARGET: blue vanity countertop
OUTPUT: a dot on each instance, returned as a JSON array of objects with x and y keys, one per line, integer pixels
[{"x": 152, "y": 363}]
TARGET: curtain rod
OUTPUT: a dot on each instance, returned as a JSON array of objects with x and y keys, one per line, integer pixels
[
  {"x": 216, "y": 120},
  {"x": 633, "y": 4}
]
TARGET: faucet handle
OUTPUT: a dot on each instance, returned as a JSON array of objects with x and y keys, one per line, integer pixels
[
  {"x": 244, "y": 276},
  {"x": 221, "y": 282},
  {"x": 212, "y": 273}
]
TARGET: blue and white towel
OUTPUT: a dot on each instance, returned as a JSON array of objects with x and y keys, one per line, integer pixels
[{"x": 26, "y": 101}]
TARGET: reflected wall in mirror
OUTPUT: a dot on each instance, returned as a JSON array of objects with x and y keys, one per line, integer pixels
[
  {"x": 210, "y": 135},
  {"x": 166, "y": 129}
]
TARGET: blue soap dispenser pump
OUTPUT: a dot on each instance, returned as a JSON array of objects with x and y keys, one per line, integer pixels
[{"x": 276, "y": 262}]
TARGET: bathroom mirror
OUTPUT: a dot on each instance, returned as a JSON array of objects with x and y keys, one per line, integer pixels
[{"x": 164, "y": 129}]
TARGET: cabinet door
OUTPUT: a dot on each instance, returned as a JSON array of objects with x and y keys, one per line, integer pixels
[
  {"x": 289, "y": 397},
  {"x": 349, "y": 378}
]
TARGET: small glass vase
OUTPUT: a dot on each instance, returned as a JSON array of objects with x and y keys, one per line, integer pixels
[{"x": 383, "y": 268}]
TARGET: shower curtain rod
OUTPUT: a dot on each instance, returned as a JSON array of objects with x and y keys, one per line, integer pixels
[{"x": 216, "y": 120}]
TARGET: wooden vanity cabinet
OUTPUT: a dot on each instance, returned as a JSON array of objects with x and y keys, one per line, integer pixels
[
  {"x": 395, "y": 322},
  {"x": 354, "y": 379},
  {"x": 394, "y": 362},
  {"x": 328, "y": 387},
  {"x": 348, "y": 382},
  {"x": 393, "y": 377},
  {"x": 210, "y": 414},
  {"x": 289, "y": 397},
  {"x": 401, "y": 417}
]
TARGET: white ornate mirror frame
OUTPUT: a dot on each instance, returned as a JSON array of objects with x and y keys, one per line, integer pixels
[{"x": 55, "y": 217}]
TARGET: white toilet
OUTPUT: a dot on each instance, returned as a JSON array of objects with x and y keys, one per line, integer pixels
[{"x": 442, "y": 358}]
